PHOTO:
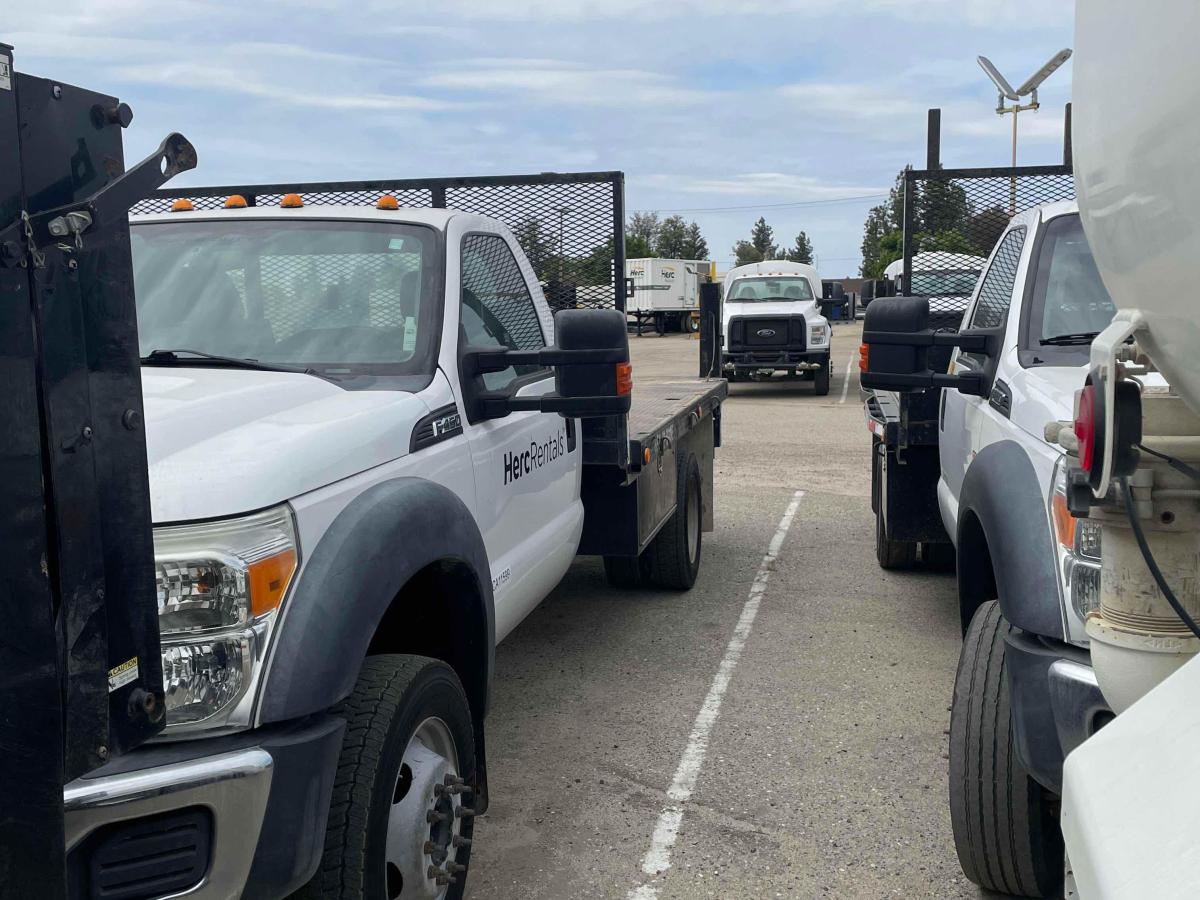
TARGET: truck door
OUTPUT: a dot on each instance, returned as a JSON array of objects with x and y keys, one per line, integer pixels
[
  {"x": 527, "y": 464},
  {"x": 963, "y": 419}
]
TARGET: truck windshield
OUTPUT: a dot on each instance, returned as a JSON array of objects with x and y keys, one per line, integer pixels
[
  {"x": 944, "y": 283},
  {"x": 341, "y": 298},
  {"x": 751, "y": 290}
]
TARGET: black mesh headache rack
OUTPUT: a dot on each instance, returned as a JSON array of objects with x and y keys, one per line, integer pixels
[
  {"x": 571, "y": 225},
  {"x": 952, "y": 220}
]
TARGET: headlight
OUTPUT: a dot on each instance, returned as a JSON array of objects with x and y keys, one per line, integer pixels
[
  {"x": 220, "y": 586},
  {"x": 816, "y": 334},
  {"x": 1078, "y": 545}
]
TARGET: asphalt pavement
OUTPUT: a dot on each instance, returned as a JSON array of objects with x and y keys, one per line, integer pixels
[{"x": 778, "y": 731}]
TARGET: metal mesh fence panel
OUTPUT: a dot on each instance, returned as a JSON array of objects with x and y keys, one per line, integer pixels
[
  {"x": 569, "y": 225},
  {"x": 952, "y": 220}
]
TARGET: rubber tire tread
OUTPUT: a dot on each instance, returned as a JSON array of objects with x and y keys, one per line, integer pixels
[
  {"x": 821, "y": 380},
  {"x": 667, "y": 564},
  {"x": 385, "y": 684},
  {"x": 892, "y": 554},
  {"x": 1004, "y": 835}
]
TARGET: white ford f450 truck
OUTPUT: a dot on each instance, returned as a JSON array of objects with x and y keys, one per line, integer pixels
[
  {"x": 372, "y": 453},
  {"x": 771, "y": 323}
]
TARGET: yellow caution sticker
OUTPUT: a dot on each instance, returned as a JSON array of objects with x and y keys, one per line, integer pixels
[{"x": 119, "y": 676}]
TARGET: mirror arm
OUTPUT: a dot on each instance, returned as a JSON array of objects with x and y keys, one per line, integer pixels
[
  {"x": 982, "y": 341},
  {"x": 479, "y": 361},
  {"x": 497, "y": 407}
]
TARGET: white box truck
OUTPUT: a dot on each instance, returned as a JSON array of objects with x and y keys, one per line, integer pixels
[{"x": 666, "y": 292}]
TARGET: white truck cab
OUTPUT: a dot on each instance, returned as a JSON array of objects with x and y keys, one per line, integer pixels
[
  {"x": 771, "y": 322},
  {"x": 372, "y": 452}
]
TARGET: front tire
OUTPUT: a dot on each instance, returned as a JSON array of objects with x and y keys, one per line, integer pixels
[
  {"x": 673, "y": 558},
  {"x": 1005, "y": 826},
  {"x": 401, "y": 799}
]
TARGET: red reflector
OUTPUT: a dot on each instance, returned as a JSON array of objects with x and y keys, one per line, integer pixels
[
  {"x": 1085, "y": 427},
  {"x": 624, "y": 379}
]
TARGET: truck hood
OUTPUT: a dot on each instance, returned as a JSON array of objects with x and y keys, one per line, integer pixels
[
  {"x": 806, "y": 308},
  {"x": 227, "y": 441}
]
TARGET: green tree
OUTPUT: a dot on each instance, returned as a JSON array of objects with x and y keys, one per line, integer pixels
[
  {"x": 746, "y": 253},
  {"x": 672, "y": 234},
  {"x": 636, "y": 247},
  {"x": 538, "y": 244},
  {"x": 941, "y": 206},
  {"x": 882, "y": 221},
  {"x": 949, "y": 241},
  {"x": 762, "y": 236},
  {"x": 694, "y": 244},
  {"x": 889, "y": 249},
  {"x": 802, "y": 252},
  {"x": 645, "y": 225}
]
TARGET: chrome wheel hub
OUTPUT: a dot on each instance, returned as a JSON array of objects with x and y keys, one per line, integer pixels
[{"x": 424, "y": 831}]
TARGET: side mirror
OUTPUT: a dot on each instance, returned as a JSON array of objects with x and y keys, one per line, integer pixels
[
  {"x": 896, "y": 348},
  {"x": 592, "y": 375}
]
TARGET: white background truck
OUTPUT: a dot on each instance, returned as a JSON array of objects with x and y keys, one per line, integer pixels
[
  {"x": 666, "y": 292},
  {"x": 770, "y": 322},
  {"x": 366, "y": 468},
  {"x": 1028, "y": 570}
]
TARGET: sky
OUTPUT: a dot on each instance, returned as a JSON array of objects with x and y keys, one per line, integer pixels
[{"x": 801, "y": 111}]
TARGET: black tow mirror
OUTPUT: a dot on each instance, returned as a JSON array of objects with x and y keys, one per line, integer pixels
[
  {"x": 592, "y": 375},
  {"x": 897, "y": 341}
]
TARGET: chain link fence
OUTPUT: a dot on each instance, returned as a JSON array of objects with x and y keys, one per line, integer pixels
[
  {"x": 570, "y": 225},
  {"x": 952, "y": 220}
]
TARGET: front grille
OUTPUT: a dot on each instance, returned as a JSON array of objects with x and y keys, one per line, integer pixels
[
  {"x": 145, "y": 858},
  {"x": 767, "y": 333}
]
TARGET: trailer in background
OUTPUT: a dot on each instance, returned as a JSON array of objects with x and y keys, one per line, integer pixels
[{"x": 666, "y": 292}]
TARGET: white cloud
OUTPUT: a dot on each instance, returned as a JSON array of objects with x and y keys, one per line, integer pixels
[{"x": 782, "y": 187}]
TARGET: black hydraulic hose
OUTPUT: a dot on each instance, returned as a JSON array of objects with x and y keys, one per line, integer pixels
[
  {"x": 1155, "y": 571},
  {"x": 1177, "y": 464}
]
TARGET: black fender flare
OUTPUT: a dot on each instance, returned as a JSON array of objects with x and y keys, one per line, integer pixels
[
  {"x": 1001, "y": 490},
  {"x": 373, "y": 547}
]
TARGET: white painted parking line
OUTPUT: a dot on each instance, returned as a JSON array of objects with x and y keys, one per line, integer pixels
[
  {"x": 846, "y": 380},
  {"x": 658, "y": 857}
]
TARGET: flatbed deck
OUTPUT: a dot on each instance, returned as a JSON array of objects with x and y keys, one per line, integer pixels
[{"x": 658, "y": 405}]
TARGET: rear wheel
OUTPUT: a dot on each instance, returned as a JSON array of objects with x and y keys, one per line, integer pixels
[
  {"x": 400, "y": 818},
  {"x": 690, "y": 323},
  {"x": 673, "y": 557},
  {"x": 821, "y": 380},
  {"x": 1005, "y": 824}
]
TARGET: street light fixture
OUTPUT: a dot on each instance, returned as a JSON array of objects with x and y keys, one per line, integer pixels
[{"x": 1029, "y": 88}]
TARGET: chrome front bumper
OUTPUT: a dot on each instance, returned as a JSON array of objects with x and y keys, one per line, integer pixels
[{"x": 234, "y": 786}]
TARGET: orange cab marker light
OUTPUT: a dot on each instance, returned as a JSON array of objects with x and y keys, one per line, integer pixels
[
  {"x": 236, "y": 201},
  {"x": 1064, "y": 522},
  {"x": 624, "y": 379},
  {"x": 183, "y": 204},
  {"x": 646, "y": 456},
  {"x": 291, "y": 201},
  {"x": 864, "y": 351},
  {"x": 269, "y": 579},
  {"x": 387, "y": 201}
]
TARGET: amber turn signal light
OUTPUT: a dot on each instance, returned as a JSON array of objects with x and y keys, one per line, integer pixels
[
  {"x": 864, "y": 352},
  {"x": 624, "y": 379}
]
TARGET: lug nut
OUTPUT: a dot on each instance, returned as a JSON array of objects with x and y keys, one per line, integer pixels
[
  {"x": 428, "y": 847},
  {"x": 455, "y": 868},
  {"x": 434, "y": 816},
  {"x": 463, "y": 812},
  {"x": 460, "y": 841}
]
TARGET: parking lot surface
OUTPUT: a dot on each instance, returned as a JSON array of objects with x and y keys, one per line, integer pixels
[{"x": 780, "y": 740}]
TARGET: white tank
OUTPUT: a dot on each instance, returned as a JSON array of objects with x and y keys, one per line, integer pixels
[{"x": 1136, "y": 145}]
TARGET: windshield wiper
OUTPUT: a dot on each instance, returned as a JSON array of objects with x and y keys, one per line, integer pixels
[
  {"x": 184, "y": 356},
  {"x": 1075, "y": 339}
]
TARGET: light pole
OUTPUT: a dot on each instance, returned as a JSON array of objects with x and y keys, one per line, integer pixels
[{"x": 1029, "y": 88}]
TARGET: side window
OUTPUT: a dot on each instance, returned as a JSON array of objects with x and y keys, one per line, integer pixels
[
  {"x": 497, "y": 309},
  {"x": 995, "y": 291}
]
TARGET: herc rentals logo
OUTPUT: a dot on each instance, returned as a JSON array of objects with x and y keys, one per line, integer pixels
[{"x": 523, "y": 462}]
